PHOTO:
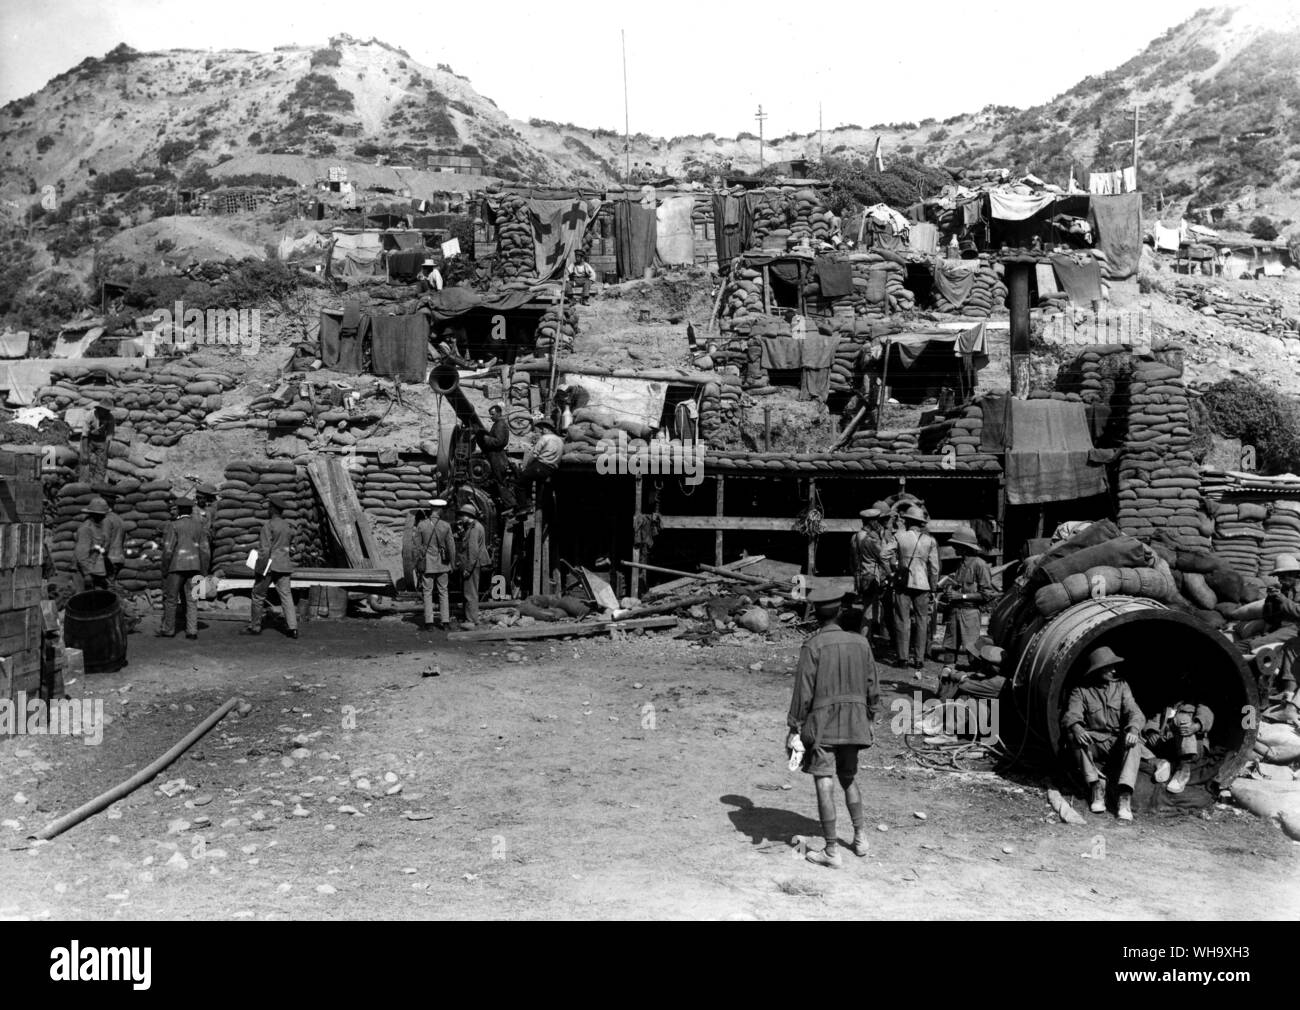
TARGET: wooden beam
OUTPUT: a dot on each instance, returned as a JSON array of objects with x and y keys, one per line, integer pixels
[
  {"x": 676, "y": 584},
  {"x": 559, "y": 629},
  {"x": 774, "y": 525},
  {"x": 635, "y": 589},
  {"x": 717, "y": 536}
]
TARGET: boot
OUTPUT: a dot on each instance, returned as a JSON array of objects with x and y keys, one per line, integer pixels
[
  {"x": 1098, "y": 797},
  {"x": 1163, "y": 769},
  {"x": 826, "y": 857},
  {"x": 1125, "y": 811},
  {"x": 1180, "y": 779}
]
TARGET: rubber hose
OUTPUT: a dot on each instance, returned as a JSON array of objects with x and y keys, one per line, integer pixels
[{"x": 55, "y": 828}]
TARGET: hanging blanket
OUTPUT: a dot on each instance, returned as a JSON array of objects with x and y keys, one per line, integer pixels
[
  {"x": 1117, "y": 221},
  {"x": 675, "y": 238},
  {"x": 836, "y": 279},
  {"x": 341, "y": 336},
  {"x": 954, "y": 280},
  {"x": 558, "y": 227},
  {"x": 399, "y": 346},
  {"x": 1049, "y": 455},
  {"x": 634, "y": 235},
  {"x": 1081, "y": 281}
]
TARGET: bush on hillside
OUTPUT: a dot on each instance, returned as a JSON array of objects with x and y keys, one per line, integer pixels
[
  {"x": 326, "y": 58},
  {"x": 1242, "y": 408},
  {"x": 1262, "y": 228}
]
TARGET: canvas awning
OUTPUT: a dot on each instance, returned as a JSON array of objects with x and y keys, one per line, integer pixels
[{"x": 1049, "y": 452}]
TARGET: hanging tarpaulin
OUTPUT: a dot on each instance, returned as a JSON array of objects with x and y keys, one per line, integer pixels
[
  {"x": 675, "y": 237},
  {"x": 1007, "y": 204},
  {"x": 637, "y": 403},
  {"x": 558, "y": 226}
]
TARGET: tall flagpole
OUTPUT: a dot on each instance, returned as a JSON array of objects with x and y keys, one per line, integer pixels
[{"x": 627, "y": 133}]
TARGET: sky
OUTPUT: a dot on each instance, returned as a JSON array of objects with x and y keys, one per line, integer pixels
[{"x": 692, "y": 67}]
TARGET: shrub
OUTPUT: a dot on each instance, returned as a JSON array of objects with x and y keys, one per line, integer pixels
[
  {"x": 120, "y": 180},
  {"x": 175, "y": 150},
  {"x": 44, "y": 144},
  {"x": 1242, "y": 408},
  {"x": 1262, "y": 228},
  {"x": 326, "y": 58}
]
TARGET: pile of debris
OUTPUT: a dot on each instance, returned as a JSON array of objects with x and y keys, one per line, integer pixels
[{"x": 1244, "y": 310}]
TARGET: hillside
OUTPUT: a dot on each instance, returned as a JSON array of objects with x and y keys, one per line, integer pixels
[{"x": 1220, "y": 120}]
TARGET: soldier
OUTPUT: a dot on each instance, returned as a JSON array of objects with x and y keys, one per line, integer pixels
[
  {"x": 472, "y": 554},
  {"x": 1176, "y": 736},
  {"x": 184, "y": 556},
  {"x": 1098, "y": 711},
  {"x": 970, "y": 587},
  {"x": 115, "y": 532},
  {"x": 274, "y": 565},
  {"x": 206, "y": 512},
  {"x": 836, "y": 695},
  {"x": 913, "y": 556},
  {"x": 494, "y": 443},
  {"x": 436, "y": 546},
  {"x": 541, "y": 460},
  {"x": 868, "y": 560},
  {"x": 92, "y": 548}
]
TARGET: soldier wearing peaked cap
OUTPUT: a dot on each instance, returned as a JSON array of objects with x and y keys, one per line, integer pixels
[
  {"x": 184, "y": 558},
  {"x": 836, "y": 695},
  {"x": 913, "y": 559},
  {"x": 274, "y": 567},
  {"x": 435, "y": 545}
]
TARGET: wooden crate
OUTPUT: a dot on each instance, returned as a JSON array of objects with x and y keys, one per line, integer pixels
[
  {"x": 21, "y": 631},
  {"x": 20, "y": 500},
  {"x": 20, "y": 544},
  {"x": 20, "y": 465},
  {"x": 21, "y": 588}
]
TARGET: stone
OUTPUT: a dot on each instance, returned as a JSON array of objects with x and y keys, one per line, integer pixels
[
  {"x": 326, "y": 889},
  {"x": 178, "y": 862}
]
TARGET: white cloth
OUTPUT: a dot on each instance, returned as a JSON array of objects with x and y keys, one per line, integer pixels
[
  {"x": 886, "y": 217},
  {"x": 1130, "y": 179},
  {"x": 1166, "y": 238},
  {"x": 675, "y": 233},
  {"x": 1008, "y": 205}
]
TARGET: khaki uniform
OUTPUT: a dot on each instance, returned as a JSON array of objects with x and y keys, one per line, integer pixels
[
  {"x": 973, "y": 578},
  {"x": 472, "y": 553},
  {"x": 836, "y": 695},
  {"x": 274, "y": 567},
  {"x": 914, "y": 554},
  {"x": 1108, "y": 712},
  {"x": 185, "y": 556},
  {"x": 435, "y": 542}
]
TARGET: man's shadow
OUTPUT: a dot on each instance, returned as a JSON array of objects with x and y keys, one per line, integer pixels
[{"x": 768, "y": 824}]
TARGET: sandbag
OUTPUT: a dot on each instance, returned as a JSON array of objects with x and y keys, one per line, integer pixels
[
  {"x": 1195, "y": 589},
  {"x": 1271, "y": 799},
  {"x": 1120, "y": 552},
  {"x": 1281, "y": 743}
]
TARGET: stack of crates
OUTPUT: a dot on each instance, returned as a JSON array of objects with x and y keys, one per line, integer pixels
[{"x": 21, "y": 586}]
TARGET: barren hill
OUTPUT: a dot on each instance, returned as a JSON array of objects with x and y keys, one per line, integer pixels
[{"x": 1220, "y": 119}]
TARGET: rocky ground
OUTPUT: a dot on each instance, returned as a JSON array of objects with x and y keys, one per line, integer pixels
[{"x": 592, "y": 779}]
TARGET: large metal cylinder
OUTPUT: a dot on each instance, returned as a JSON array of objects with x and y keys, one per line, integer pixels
[
  {"x": 1049, "y": 657},
  {"x": 444, "y": 380}
]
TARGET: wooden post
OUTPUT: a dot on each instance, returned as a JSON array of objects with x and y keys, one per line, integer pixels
[
  {"x": 717, "y": 534},
  {"x": 767, "y": 428},
  {"x": 634, "y": 590},
  {"x": 809, "y": 489},
  {"x": 767, "y": 284}
]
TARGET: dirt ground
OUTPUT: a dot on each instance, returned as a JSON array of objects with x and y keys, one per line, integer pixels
[{"x": 546, "y": 788}]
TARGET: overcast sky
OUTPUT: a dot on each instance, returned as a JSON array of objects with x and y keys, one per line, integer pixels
[{"x": 692, "y": 67}]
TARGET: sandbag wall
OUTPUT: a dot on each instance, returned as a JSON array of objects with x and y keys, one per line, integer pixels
[
  {"x": 310, "y": 410},
  {"x": 987, "y": 294},
  {"x": 720, "y": 410},
  {"x": 144, "y": 507},
  {"x": 719, "y": 414},
  {"x": 390, "y": 492},
  {"x": 783, "y": 213},
  {"x": 1159, "y": 481},
  {"x": 516, "y": 254},
  {"x": 1245, "y": 311},
  {"x": 242, "y": 509},
  {"x": 1250, "y": 534},
  {"x": 551, "y": 324},
  {"x": 157, "y": 405}
]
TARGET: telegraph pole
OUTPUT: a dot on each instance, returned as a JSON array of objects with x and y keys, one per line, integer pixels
[
  {"x": 1137, "y": 109},
  {"x": 627, "y": 133},
  {"x": 760, "y": 116}
]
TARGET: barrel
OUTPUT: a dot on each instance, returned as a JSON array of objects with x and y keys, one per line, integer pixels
[
  {"x": 1049, "y": 657},
  {"x": 95, "y": 624}
]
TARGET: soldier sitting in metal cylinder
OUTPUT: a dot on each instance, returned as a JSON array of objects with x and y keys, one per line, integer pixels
[
  {"x": 1177, "y": 735},
  {"x": 1103, "y": 725}
]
